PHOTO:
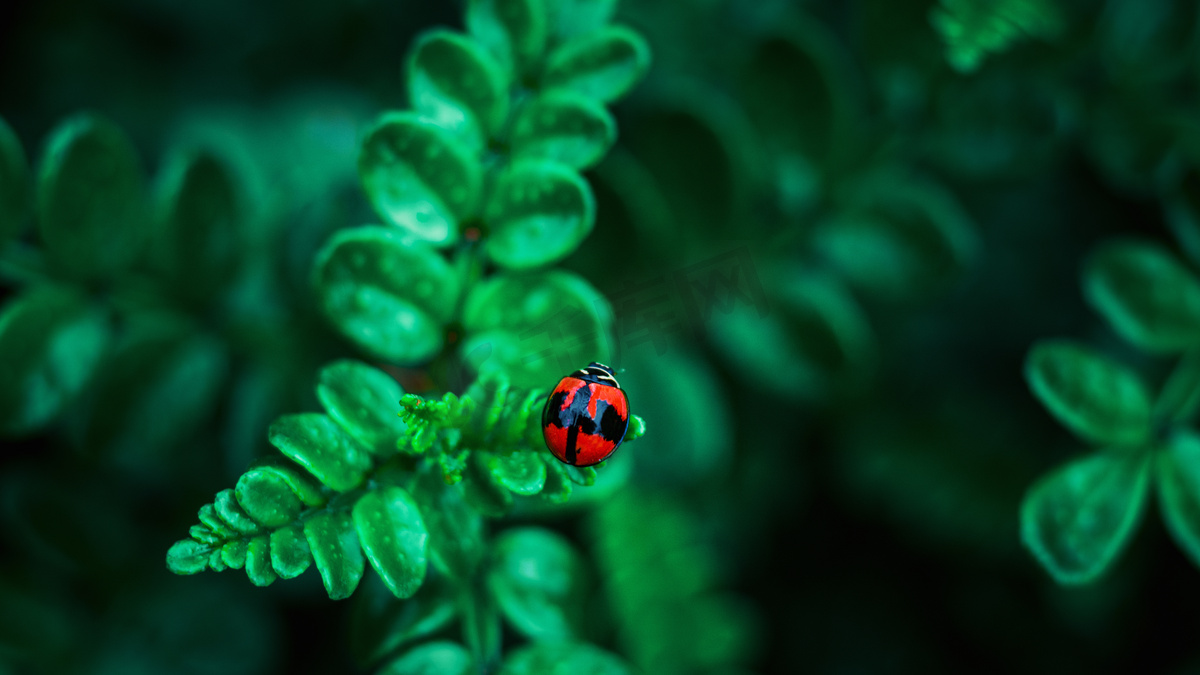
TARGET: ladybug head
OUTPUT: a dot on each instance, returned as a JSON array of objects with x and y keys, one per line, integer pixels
[{"x": 598, "y": 373}]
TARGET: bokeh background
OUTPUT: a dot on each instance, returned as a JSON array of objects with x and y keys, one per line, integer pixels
[{"x": 830, "y": 231}]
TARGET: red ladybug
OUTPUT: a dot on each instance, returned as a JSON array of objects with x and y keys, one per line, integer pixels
[{"x": 586, "y": 416}]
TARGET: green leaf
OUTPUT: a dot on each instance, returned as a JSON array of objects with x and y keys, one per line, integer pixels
[
  {"x": 91, "y": 202},
  {"x": 364, "y": 401},
  {"x": 210, "y": 519},
  {"x": 433, "y": 658},
  {"x": 671, "y": 386},
  {"x": 233, "y": 553},
  {"x": 204, "y": 535},
  {"x": 419, "y": 178},
  {"x": 455, "y": 529},
  {"x": 972, "y": 29},
  {"x": 455, "y": 83},
  {"x": 258, "y": 561},
  {"x": 393, "y": 536},
  {"x": 157, "y": 387},
  {"x": 1077, "y": 518},
  {"x": 197, "y": 245},
  {"x": 814, "y": 342},
  {"x": 899, "y": 238},
  {"x": 482, "y": 490},
  {"x": 1148, "y": 296},
  {"x": 563, "y": 127},
  {"x": 1097, "y": 398},
  {"x": 188, "y": 556},
  {"x": 513, "y": 30},
  {"x": 539, "y": 213},
  {"x": 14, "y": 185},
  {"x": 558, "y": 486},
  {"x": 290, "y": 554},
  {"x": 379, "y": 623},
  {"x": 798, "y": 88},
  {"x": 569, "y": 18},
  {"x": 604, "y": 65},
  {"x": 580, "y": 475},
  {"x": 577, "y": 658},
  {"x": 390, "y": 296},
  {"x": 537, "y": 579},
  {"x": 266, "y": 497},
  {"x": 521, "y": 472},
  {"x": 1178, "y": 473},
  {"x": 535, "y": 327},
  {"x": 51, "y": 341},
  {"x": 335, "y": 548},
  {"x": 231, "y": 512},
  {"x": 316, "y": 443}
]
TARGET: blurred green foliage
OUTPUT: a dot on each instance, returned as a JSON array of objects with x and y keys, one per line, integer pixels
[{"x": 823, "y": 239}]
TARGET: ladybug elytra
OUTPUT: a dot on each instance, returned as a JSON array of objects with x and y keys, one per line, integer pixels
[{"x": 586, "y": 416}]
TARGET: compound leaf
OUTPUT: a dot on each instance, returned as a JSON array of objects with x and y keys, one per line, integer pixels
[
  {"x": 604, "y": 65},
  {"x": 51, "y": 342},
  {"x": 393, "y": 536},
  {"x": 563, "y": 127},
  {"x": 315, "y": 442},
  {"x": 363, "y": 400},
  {"x": 388, "y": 295},
  {"x": 1097, "y": 398},
  {"x": 90, "y": 198},
  {"x": 539, "y": 213},
  {"x": 419, "y": 177},
  {"x": 536, "y": 578},
  {"x": 1079, "y": 517},
  {"x": 455, "y": 83},
  {"x": 1148, "y": 296}
]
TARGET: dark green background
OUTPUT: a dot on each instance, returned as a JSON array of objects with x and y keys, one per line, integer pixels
[{"x": 872, "y": 525}]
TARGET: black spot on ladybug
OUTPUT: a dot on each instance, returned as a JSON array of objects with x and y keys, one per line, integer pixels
[
  {"x": 612, "y": 424},
  {"x": 550, "y": 415}
]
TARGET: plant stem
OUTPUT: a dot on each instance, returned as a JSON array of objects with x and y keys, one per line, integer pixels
[{"x": 481, "y": 624}]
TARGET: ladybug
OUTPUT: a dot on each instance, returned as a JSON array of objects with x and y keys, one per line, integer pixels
[{"x": 586, "y": 416}]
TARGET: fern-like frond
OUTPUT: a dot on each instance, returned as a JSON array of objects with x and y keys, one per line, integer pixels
[{"x": 343, "y": 492}]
